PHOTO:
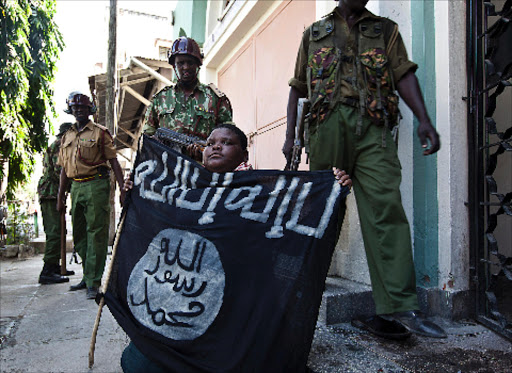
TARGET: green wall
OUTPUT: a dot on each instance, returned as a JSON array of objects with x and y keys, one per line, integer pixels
[
  {"x": 426, "y": 244},
  {"x": 190, "y": 19}
]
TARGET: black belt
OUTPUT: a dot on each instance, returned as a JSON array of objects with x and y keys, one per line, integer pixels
[{"x": 83, "y": 179}]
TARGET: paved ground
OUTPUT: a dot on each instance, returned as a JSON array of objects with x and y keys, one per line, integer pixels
[{"x": 46, "y": 328}]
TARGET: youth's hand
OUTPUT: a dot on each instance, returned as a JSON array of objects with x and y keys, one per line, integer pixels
[
  {"x": 195, "y": 152},
  {"x": 342, "y": 177}
]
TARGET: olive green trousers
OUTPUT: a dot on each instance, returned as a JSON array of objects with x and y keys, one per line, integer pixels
[
  {"x": 51, "y": 222},
  {"x": 376, "y": 175},
  {"x": 90, "y": 211}
]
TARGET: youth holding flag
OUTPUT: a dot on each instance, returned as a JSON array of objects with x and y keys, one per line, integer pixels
[{"x": 221, "y": 270}]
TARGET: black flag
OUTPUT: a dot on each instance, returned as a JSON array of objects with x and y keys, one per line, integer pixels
[{"x": 222, "y": 272}]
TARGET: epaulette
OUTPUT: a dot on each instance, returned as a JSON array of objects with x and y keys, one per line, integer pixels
[
  {"x": 217, "y": 91},
  {"x": 166, "y": 88},
  {"x": 103, "y": 128}
]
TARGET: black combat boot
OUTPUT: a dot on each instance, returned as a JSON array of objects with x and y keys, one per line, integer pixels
[
  {"x": 68, "y": 272},
  {"x": 48, "y": 275}
]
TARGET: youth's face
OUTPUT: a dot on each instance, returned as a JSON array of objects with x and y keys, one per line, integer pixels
[
  {"x": 223, "y": 152},
  {"x": 186, "y": 68}
]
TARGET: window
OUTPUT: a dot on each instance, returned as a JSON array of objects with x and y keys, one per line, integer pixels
[
  {"x": 225, "y": 8},
  {"x": 163, "y": 53}
]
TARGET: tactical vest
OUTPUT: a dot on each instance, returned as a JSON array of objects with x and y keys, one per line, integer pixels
[{"x": 371, "y": 77}]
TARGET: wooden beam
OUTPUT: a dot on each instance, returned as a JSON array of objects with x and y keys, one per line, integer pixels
[
  {"x": 133, "y": 136},
  {"x": 138, "y": 96},
  {"x": 126, "y": 144},
  {"x": 130, "y": 120},
  {"x": 125, "y": 157},
  {"x": 162, "y": 78},
  {"x": 137, "y": 81},
  {"x": 120, "y": 104},
  {"x": 111, "y": 69}
]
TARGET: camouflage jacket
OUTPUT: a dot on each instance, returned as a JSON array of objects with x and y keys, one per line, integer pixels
[
  {"x": 48, "y": 186},
  {"x": 196, "y": 115}
]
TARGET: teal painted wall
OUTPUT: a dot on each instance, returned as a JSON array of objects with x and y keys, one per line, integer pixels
[
  {"x": 199, "y": 21},
  {"x": 190, "y": 19},
  {"x": 426, "y": 243}
]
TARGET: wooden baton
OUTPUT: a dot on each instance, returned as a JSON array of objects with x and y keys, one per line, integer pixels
[{"x": 63, "y": 269}]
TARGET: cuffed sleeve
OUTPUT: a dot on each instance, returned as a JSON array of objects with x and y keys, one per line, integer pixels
[
  {"x": 299, "y": 79},
  {"x": 400, "y": 63}
]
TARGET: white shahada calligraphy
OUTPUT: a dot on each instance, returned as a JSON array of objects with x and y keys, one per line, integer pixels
[{"x": 176, "y": 289}]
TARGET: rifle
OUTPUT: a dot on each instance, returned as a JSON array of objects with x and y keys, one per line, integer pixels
[
  {"x": 298, "y": 143},
  {"x": 175, "y": 139}
]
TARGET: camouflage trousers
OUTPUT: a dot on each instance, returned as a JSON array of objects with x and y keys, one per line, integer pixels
[
  {"x": 51, "y": 222},
  {"x": 376, "y": 175},
  {"x": 90, "y": 211}
]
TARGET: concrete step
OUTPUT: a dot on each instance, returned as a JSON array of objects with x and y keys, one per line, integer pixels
[
  {"x": 343, "y": 300},
  {"x": 39, "y": 244}
]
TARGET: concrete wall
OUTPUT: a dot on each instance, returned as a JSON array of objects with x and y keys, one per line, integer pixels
[
  {"x": 132, "y": 42},
  {"x": 258, "y": 86}
]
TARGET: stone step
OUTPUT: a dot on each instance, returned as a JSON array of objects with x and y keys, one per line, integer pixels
[
  {"x": 39, "y": 244},
  {"x": 343, "y": 300}
]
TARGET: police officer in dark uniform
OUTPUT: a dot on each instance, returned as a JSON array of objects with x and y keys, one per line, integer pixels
[{"x": 86, "y": 155}]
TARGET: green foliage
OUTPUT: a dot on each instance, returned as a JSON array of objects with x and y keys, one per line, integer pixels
[
  {"x": 19, "y": 226},
  {"x": 30, "y": 45}
]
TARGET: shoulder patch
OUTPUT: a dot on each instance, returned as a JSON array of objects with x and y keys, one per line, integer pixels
[
  {"x": 320, "y": 29},
  {"x": 217, "y": 91}
]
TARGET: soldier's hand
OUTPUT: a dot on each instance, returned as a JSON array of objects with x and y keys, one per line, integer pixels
[
  {"x": 427, "y": 132},
  {"x": 128, "y": 185},
  {"x": 288, "y": 150}
]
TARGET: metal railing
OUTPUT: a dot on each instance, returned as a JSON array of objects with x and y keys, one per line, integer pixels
[{"x": 490, "y": 156}]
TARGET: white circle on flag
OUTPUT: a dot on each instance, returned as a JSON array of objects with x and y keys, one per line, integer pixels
[{"x": 176, "y": 289}]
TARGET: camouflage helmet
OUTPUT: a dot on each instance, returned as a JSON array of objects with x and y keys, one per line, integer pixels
[
  {"x": 79, "y": 98},
  {"x": 184, "y": 46},
  {"x": 63, "y": 128}
]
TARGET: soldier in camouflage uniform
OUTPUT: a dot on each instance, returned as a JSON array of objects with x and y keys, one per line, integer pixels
[
  {"x": 189, "y": 107},
  {"x": 47, "y": 189},
  {"x": 348, "y": 66}
]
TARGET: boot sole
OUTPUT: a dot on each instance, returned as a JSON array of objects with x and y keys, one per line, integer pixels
[{"x": 53, "y": 281}]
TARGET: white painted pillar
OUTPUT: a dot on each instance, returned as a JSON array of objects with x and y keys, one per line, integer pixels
[{"x": 452, "y": 167}]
